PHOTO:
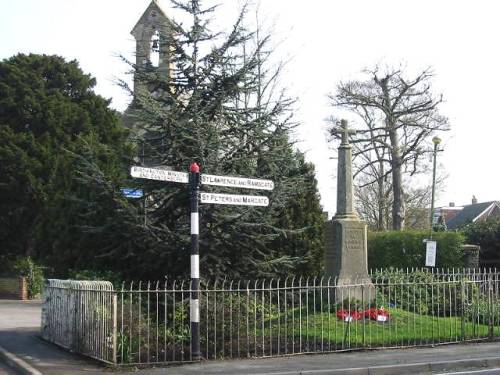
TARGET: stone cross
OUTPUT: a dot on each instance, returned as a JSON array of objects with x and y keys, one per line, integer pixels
[
  {"x": 346, "y": 258},
  {"x": 344, "y": 131},
  {"x": 345, "y": 205}
]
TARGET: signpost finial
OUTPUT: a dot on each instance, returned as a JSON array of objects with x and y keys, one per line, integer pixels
[{"x": 194, "y": 168}]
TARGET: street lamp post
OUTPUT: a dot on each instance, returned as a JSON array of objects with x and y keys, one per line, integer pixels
[{"x": 436, "y": 141}]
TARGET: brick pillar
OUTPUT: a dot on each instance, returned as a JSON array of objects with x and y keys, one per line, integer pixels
[{"x": 23, "y": 288}]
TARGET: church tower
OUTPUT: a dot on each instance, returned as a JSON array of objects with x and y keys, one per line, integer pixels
[{"x": 152, "y": 33}]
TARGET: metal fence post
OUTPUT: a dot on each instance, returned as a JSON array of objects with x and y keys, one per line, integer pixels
[
  {"x": 71, "y": 309},
  {"x": 490, "y": 306},
  {"x": 115, "y": 324},
  {"x": 362, "y": 306},
  {"x": 462, "y": 318}
]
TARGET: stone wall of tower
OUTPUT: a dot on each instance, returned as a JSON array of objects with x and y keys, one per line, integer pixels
[{"x": 152, "y": 22}]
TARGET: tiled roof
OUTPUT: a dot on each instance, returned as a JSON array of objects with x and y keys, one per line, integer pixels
[{"x": 468, "y": 214}]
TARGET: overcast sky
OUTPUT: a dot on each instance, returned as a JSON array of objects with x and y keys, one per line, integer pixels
[{"x": 326, "y": 41}]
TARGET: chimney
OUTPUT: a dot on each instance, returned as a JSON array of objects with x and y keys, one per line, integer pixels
[
  {"x": 452, "y": 204},
  {"x": 474, "y": 199}
]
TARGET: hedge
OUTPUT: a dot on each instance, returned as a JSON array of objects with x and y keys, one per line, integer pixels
[{"x": 407, "y": 249}]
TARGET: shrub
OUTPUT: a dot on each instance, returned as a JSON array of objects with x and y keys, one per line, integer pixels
[
  {"x": 482, "y": 310},
  {"x": 156, "y": 334},
  {"x": 34, "y": 275},
  {"x": 425, "y": 292},
  {"x": 407, "y": 249}
]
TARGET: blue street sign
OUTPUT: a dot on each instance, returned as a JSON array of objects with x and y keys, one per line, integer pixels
[{"x": 132, "y": 193}]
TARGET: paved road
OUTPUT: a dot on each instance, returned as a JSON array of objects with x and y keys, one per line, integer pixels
[
  {"x": 15, "y": 314},
  {"x": 19, "y": 327}
]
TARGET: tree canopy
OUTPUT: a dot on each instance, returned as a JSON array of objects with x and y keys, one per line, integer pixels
[{"x": 48, "y": 114}]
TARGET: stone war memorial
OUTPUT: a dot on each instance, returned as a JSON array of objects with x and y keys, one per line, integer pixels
[{"x": 346, "y": 244}]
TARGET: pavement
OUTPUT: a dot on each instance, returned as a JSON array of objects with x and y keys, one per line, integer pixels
[
  {"x": 376, "y": 362},
  {"x": 27, "y": 353},
  {"x": 19, "y": 342}
]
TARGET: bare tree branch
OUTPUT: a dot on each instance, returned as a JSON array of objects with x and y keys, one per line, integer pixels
[{"x": 399, "y": 114}]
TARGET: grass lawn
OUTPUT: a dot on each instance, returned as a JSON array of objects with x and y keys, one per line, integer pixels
[{"x": 403, "y": 329}]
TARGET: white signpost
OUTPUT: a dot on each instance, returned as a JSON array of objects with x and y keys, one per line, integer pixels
[
  {"x": 194, "y": 178},
  {"x": 159, "y": 174},
  {"x": 237, "y": 182},
  {"x": 242, "y": 200},
  {"x": 430, "y": 253}
]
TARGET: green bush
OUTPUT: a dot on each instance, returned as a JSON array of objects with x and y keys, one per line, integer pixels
[
  {"x": 407, "y": 249},
  {"x": 426, "y": 293},
  {"x": 136, "y": 337},
  {"x": 482, "y": 310},
  {"x": 34, "y": 275}
]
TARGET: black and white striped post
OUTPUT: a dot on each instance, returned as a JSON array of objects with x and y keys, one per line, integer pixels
[
  {"x": 194, "y": 179},
  {"x": 194, "y": 302}
]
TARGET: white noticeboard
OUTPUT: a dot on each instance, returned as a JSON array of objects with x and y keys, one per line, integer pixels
[
  {"x": 159, "y": 174},
  {"x": 237, "y": 182},
  {"x": 243, "y": 200},
  {"x": 430, "y": 254}
]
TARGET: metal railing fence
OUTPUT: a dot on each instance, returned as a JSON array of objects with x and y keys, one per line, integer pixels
[
  {"x": 81, "y": 316},
  {"x": 268, "y": 318}
]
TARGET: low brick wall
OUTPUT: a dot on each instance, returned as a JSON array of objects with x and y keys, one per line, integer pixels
[{"x": 13, "y": 288}]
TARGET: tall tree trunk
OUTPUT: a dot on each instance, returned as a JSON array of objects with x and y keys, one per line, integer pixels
[
  {"x": 398, "y": 205},
  {"x": 381, "y": 198}
]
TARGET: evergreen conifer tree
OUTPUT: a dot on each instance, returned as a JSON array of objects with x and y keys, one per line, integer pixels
[
  {"x": 48, "y": 110},
  {"x": 221, "y": 107}
]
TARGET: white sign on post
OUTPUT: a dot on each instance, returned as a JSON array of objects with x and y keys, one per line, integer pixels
[
  {"x": 237, "y": 182},
  {"x": 245, "y": 200},
  {"x": 240, "y": 200},
  {"x": 430, "y": 254},
  {"x": 159, "y": 174}
]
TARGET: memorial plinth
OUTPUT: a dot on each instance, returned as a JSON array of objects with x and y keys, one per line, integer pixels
[{"x": 346, "y": 246}]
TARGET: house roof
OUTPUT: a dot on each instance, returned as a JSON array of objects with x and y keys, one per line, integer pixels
[
  {"x": 449, "y": 212},
  {"x": 469, "y": 214}
]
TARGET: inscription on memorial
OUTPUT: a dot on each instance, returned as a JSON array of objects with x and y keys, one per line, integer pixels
[{"x": 354, "y": 240}]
